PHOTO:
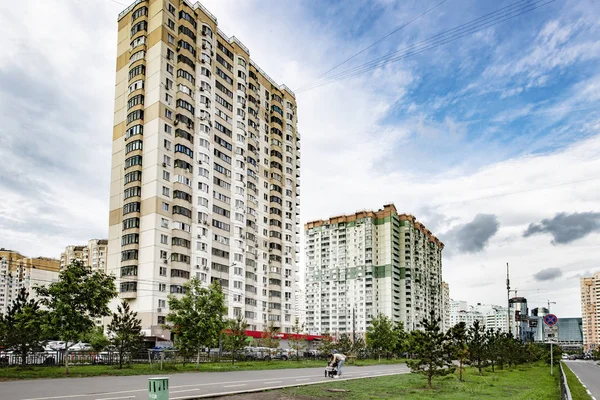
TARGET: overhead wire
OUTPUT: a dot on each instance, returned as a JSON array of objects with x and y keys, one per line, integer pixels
[
  {"x": 468, "y": 25},
  {"x": 380, "y": 40},
  {"x": 469, "y": 28}
]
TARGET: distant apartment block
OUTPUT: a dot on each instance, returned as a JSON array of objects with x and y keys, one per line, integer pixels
[
  {"x": 18, "y": 271},
  {"x": 367, "y": 263},
  {"x": 489, "y": 316},
  {"x": 205, "y": 169},
  {"x": 590, "y": 311},
  {"x": 93, "y": 254}
]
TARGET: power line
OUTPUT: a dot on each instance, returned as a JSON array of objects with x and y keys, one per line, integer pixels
[
  {"x": 445, "y": 37},
  {"x": 468, "y": 25},
  {"x": 378, "y": 41}
]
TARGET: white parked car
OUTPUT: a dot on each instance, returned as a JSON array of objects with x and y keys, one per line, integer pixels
[{"x": 79, "y": 346}]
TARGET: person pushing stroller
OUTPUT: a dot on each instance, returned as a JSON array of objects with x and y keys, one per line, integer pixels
[{"x": 337, "y": 359}]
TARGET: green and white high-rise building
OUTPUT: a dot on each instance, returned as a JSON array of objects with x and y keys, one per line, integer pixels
[{"x": 367, "y": 263}]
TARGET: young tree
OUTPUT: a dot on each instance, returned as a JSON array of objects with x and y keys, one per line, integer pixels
[
  {"x": 235, "y": 335},
  {"x": 401, "y": 339},
  {"x": 494, "y": 341},
  {"x": 380, "y": 335},
  {"x": 326, "y": 346},
  {"x": 344, "y": 344},
  {"x": 432, "y": 350},
  {"x": 268, "y": 338},
  {"x": 197, "y": 317},
  {"x": 359, "y": 347},
  {"x": 297, "y": 341},
  {"x": 21, "y": 329},
  {"x": 477, "y": 344},
  {"x": 96, "y": 339},
  {"x": 457, "y": 335},
  {"x": 79, "y": 296},
  {"x": 125, "y": 331}
]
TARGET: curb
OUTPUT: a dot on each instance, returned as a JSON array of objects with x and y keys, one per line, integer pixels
[{"x": 264, "y": 389}]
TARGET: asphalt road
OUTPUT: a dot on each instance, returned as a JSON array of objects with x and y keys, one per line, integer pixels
[
  {"x": 589, "y": 373},
  {"x": 182, "y": 386}
]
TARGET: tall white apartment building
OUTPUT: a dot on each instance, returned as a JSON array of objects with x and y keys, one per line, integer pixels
[
  {"x": 205, "y": 168},
  {"x": 93, "y": 254},
  {"x": 18, "y": 272},
  {"x": 368, "y": 263},
  {"x": 445, "y": 306}
]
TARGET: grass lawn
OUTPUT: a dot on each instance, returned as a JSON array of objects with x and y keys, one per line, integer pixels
[
  {"x": 578, "y": 392},
  {"x": 34, "y": 372},
  {"x": 523, "y": 382}
]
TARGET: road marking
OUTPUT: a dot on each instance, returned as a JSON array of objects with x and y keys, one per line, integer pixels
[
  {"x": 186, "y": 390},
  {"x": 271, "y": 382},
  {"x": 116, "y": 398},
  {"x": 303, "y": 379},
  {"x": 243, "y": 384},
  {"x": 196, "y": 385}
]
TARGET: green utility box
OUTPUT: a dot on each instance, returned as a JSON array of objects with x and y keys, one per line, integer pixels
[{"x": 158, "y": 388}]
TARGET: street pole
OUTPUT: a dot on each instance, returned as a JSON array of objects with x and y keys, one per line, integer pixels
[
  {"x": 551, "y": 352},
  {"x": 508, "y": 297},
  {"x": 353, "y": 325}
]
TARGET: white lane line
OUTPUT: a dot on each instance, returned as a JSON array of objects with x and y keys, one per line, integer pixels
[
  {"x": 243, "y": 384},
  {"x": 145, "y": 390},
  {"x": 172, "y": 387},
  {"x": 186, "y": 390},
  {"x": 303, "y": 379},
  {"x": 116, "y": 398},
  {"x": 271, "y": 382}
]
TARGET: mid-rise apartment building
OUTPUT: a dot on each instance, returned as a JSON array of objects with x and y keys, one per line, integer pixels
[
  {"x": 367, "y": 263},
  {"x": 205, "y": 168},
  {"x": 590, "y": 311},
  {"x": 18, "y": 272},
  {"x": 93, "y": 254},
  {"x": 489, "y": 316}
]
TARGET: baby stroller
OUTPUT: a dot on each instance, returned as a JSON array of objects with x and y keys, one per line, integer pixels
[{"x": 331, "y": 370}]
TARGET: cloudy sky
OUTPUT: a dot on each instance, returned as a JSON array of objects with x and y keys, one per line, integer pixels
[{"x": 489, "y": 136}]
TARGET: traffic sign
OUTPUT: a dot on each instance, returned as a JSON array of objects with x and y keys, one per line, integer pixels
[{"x": 550, "y": 319}]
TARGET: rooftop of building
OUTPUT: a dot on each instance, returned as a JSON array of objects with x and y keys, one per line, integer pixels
[
  {"x": 231, "y": 40},
  {"x": 387, "y": 211}
]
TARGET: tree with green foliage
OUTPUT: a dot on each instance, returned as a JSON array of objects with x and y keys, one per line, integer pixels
[
  {"x": 235, "y": 336},
  {"x": 478, "y": 349},
  {"x": 380, "y": 335},
  {"x": 344, "y": 344},
  {"x": 22, "y": 328},
  {"x": 359, "y": 347},
  {"x": 196, "y": 318},
  {"x": 297, "y": 340},
  {"x": 96, "y": 338},
  {"x": 401, "y": 339},
  {"x": 125, "y": 331},
  {"x": 268, "y": 337},
  {"x": 432, "y": 350},
  {"x": 494, "y": 341},
  {"x": 80, "y": 296},
  {"x": 327, "y": 345},
  {"x": 457, "y": 335}
]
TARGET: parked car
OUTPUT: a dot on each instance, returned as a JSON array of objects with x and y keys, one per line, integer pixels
[
  {"x": 258, "y": 353},
  {"x": 79, "y": 346}
]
